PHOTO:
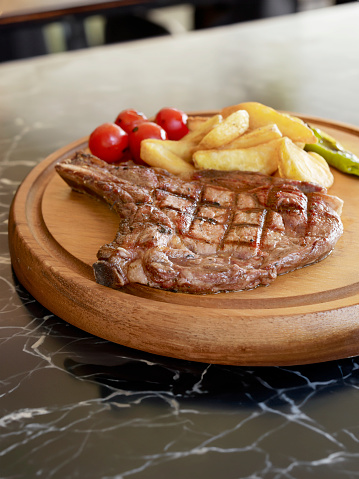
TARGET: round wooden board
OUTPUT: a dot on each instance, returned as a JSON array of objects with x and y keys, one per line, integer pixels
[{"x": 309, "y": 315}]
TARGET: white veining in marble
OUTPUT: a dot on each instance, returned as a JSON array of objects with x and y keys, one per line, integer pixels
[{"x": 156, "y": 416}]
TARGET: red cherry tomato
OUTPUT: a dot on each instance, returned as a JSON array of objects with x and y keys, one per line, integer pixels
[
  {"x": 173, "y": 121},
  {"x": 109, "y": 143},
  {"x": 141, "y": 132},
  {"x": 128, "y": 119}
]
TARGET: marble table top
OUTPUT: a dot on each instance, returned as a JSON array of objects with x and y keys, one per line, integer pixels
[{"x": 74, "y": 405}]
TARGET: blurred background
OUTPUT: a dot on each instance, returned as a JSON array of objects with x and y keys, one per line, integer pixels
[{"x": 39, "y": 27}]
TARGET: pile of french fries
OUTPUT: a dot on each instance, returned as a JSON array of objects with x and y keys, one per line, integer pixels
[{"x": 247, "y": 137}]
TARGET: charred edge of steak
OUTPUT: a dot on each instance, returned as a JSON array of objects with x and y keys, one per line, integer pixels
[{"x": 217, "y": 231}]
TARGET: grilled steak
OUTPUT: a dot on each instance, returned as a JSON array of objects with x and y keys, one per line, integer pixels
[{"x": 216, "y": 231}]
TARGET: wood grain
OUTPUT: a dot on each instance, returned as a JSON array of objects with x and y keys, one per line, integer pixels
[
  {"x": 19, "y": 11},
  {"x": 310, "y": 315}
]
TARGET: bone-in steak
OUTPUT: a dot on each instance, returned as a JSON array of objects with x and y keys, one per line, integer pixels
[{"x": 216, "y": 231}]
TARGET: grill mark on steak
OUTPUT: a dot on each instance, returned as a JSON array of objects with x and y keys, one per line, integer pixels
[{"x": 216, "y": 231}]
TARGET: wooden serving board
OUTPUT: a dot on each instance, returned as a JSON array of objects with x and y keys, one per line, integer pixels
[{"x": 309, "y": 315}]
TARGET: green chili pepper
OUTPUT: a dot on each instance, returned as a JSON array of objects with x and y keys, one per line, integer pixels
[{"x": 334, "y": 153}]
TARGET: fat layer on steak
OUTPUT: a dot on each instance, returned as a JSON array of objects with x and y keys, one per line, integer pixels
[{"x": 215, "y": 231}]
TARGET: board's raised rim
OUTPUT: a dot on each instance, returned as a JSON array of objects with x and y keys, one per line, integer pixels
[{"x": 242, "y": 354}]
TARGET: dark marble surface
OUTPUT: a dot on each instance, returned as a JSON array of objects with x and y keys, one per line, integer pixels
[{"x": 73, "y": 405}]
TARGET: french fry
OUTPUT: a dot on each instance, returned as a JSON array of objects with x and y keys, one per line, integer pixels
[
  {"x": 194, "y": 122},
  {"x": 167, "y": 153},
  {"x": 196, "y": 135},
  {"x": 296, "y": 164},
  {"x": 155, "y": 153},
  {"x": 255, "y": 137},
  {"x": 182, "y": 149},
  {"x": 185, "y": 147},
  {"x": 261, "y": 115},
  {"x": 226, "y": 131},
  {"x": 261, "y": 158}
]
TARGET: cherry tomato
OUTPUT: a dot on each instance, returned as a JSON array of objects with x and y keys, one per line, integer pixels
[
  {"x": 109, "y": 142},
  {"x": 141, "y": 132},
  {"x": 173, "y": 121},
  {"x": 128, "y": 119}
]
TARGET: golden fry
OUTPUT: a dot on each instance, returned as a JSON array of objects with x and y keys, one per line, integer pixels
[
  {"x": 261, "y": 115},
  {"x": 296, "y": 164},
  {"x": 226, "y": 131},
  {"x": 261, "y": 158},
  {"x": 182, "y": 149},
  {"x": 256, "y": 137},
  {"x": 196, "y": 135},
  {"x": 155, "y": 153},
  {"x": 194, "y": 122}
]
